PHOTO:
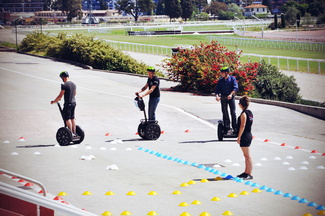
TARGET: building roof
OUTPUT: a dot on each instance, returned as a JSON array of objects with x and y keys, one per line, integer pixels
[{"x": 256, "y": 6}]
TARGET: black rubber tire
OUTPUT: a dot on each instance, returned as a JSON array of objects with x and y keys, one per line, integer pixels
[
  {"x": 80, "y": 133},
  {"x": 220, "y": 131},
  {"x": 64, "y": 136},
  {"x": 152, "y": 131},
  {"x": 141, "y": 129}
]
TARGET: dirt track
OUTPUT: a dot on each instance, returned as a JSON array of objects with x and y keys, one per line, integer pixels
[{"x": 315, "y": 36}]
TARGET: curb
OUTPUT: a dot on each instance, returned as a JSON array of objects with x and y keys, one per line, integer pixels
[
  {"x": 59, "y": 60},
  {"x": 318, "y": 112}
]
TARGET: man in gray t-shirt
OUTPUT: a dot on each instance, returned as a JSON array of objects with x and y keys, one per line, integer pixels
[{"x": 68, "y": 90}]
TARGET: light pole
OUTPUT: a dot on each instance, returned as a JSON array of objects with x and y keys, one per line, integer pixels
[
  {"x": 15, "y": 21},
  {"x": 262, "y": 24},
  {"x": 243, "y": 23}
]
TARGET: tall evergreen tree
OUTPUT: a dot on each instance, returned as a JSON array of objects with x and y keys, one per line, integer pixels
[
  {"x": 187, "y": 9},
  {"x": 199, "y": 5},
  {"x": 173, "y": 8},
  {"x": 298, "y": 19},
  {"x": 160, "y": 10},
  {"x": 275, "y": 21}
]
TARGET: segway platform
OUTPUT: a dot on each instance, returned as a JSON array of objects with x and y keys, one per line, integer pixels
[
  {"x": 222, "y": 132},
  {"x": 64, "y": 136},
  {"x": 147, "y": 129}
]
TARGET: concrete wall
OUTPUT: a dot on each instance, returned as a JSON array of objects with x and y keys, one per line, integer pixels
[{"x": 318, "y": 112}]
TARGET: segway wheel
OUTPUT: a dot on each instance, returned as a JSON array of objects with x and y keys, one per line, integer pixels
[
  {"x": 141, "y": 130},
  {"x": 152, "y": 131},
  {"x": 220, "y": 131},
  {"x": 80, "y": 134},
  {"x": 63, "y": 136}
]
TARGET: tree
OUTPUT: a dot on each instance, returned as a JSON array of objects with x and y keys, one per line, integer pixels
[
  {"x": 160, "y": 10},
  {"x": 199, "y": 5},
  {"x": 173, "y": 8},
  {"x": 47, "y": 5},
  {"x": 215, "y": 8},
  {"x": 134, "y": 8},
  {"x": 275, "y": 21},
  {"x": 316, "y": 7},
  {"x": 187, "y": 9},
  {"x": 298, "y": 20},
  {"x": 71, "y": 8},
  {"x": 291, "y": 15},
  {"x": 235, "y": 9},
  {"x": 103, "y": 5},
  {"x": 283, "y": 22},
  {"x": 267, "y": 3},
  {"x": 302, "y": 8},
  {"x": 226, "y": 15},
  {"x": 56, "y": 5}
]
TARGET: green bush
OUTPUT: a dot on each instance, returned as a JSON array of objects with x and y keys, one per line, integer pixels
[
  {"x": 35, "y": 42},
  {"x": 311, "y": 103},
  {"x": 226, "y": 15},
  {"x": 86, "y": 50},
  {"x": 274, "y": 85}
]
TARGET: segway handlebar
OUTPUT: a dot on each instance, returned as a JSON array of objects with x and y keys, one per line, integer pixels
[
  {"x": 61, "y": 111},
  {"x": 139, "y": 103}
]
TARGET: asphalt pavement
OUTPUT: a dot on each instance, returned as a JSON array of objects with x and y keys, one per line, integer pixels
[{"x": 287, "y": 149}]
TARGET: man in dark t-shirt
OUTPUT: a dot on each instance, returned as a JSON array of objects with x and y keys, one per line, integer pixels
[
  {"x": 154, "y": 92},
  {"x": 68, "y": 91}
]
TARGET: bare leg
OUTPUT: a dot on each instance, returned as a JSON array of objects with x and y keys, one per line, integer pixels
[
  {"x": 71, "y": 124},
  {"x": 248, "y": 160}
]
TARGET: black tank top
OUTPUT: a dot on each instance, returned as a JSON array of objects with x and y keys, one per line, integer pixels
[{"x": 249, "y": 121}]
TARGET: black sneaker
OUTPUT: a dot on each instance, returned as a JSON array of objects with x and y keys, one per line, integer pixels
[
  {"x": 243, "y": 175},
  {"x": 248, "y": 177}
]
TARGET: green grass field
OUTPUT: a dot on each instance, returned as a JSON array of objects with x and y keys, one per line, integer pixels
[{"x": 177, "y": 40}]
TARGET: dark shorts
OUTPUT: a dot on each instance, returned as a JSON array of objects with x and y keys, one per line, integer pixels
[
  {"x": 246, "y": 140},
  {"x": 68, "y": 111}
]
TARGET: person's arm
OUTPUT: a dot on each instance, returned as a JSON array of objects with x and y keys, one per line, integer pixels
[
  {"x": 217, "y": 91},
  {"x": 142, "y": 90},
  {"x": 235, "y": 88},
  {"x": 241, "y": 126},
  {"x": 149, "y": 91},
  {"x": 58, "y": 97}
]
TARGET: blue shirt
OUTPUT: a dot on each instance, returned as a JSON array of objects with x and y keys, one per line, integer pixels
[{"x": 226, "y": 86}]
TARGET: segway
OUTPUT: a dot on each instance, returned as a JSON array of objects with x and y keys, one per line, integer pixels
[
  {"x": 224, "y": 133},
  {"x": 64, "y": 135},
  {"x": 147, "y": 129}
]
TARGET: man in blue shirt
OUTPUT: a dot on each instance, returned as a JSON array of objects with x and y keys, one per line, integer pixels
[{"x": 226, "y": 89}]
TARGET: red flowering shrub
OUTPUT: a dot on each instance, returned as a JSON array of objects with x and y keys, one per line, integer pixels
[{"x": 198, "y": 68}]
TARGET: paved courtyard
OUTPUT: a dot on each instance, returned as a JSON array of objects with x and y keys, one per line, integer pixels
[{"x": 149, "y": 176}]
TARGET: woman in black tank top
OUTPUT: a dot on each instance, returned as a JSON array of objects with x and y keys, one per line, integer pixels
[{"x": 245, "y": 121}]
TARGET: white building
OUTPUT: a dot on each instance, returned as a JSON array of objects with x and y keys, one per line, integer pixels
[{"x": 255, "y": 9}]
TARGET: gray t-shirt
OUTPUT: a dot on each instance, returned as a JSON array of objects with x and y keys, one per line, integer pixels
[{"x": 69, "y": 88}]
